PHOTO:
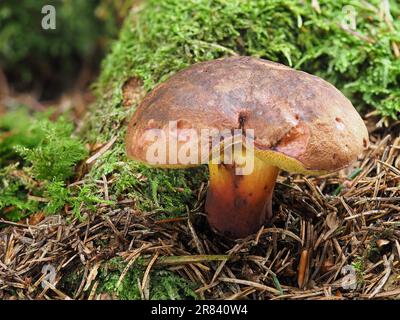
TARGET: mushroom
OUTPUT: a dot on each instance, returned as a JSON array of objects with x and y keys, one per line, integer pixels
[{"x": 299, "y": 123}]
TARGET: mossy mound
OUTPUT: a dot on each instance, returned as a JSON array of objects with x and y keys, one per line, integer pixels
[{"x": 166, "y": 36}]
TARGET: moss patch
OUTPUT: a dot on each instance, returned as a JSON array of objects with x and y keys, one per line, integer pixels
[
  {"x": 37, "y": 159},
  {"x": 166, "y": 36},
  {"x": 164, "y": 285}
]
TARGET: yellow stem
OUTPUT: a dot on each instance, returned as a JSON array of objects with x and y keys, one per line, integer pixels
[{"x": 238, "y": 205}]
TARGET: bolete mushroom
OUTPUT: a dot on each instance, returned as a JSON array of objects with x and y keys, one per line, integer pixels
[{"x": 299, "y": 122}]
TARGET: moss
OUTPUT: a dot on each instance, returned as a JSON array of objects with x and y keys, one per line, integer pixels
[
  {"x": 58, "y": 196},
  {"x": 71, "y": 281},
  {"x": 166, "y": 36},
  {"x": 37, "y": 158},
  {"x": 56, "y": 153},
  {"x": 15, "y": 129},
  {"x": 164, "y": 285},
  {"x": 169, "y": 191},
  {"x": 359, "y": 267}
]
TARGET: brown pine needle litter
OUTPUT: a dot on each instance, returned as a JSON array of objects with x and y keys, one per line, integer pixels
[{"x": 333, "y": 237}]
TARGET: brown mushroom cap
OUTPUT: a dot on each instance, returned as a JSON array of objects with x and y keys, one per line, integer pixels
[{"x": 301, "y": 123}]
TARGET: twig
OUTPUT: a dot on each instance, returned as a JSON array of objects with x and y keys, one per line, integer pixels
[
  {"x": 103, "y": 150},
  {"x": 388, "y": 270},
  {"x": 251, "y": 284}
]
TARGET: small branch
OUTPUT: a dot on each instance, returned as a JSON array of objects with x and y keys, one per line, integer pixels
[
  {"x": 388, "y": 270},
  {"x": 215, "y": 46},
  {"x": 176, "y": 260},
  {"x": 103, "y": 150}
]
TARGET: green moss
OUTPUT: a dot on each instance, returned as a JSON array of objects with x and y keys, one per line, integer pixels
[
  {"x": 56, "y": 153},
  {"x": 169, "y": 191},
  {"x": 359, "y": 267},
  {"x": 77, "y": 197},
  {"x": 164, "y": 285},
  {"x": 37, "y": 157},
  {"x": 14, "y": 188},
  {"x": 16, "y": 130},
  {"x": 171, "y": 34}
]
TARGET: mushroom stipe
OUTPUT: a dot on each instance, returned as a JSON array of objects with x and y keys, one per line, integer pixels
[
  {"x": 300, "y": 124},
  {"x": 238, "y": 205}
]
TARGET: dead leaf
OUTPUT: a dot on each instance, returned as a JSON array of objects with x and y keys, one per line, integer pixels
[
  {"x": 36, "y": 218},
  {"x": 332, "y": 221},
  {"x": 302, "y": 268},
  {"x": 92, "y": 275},
  {"x": 382, "y": 242}
]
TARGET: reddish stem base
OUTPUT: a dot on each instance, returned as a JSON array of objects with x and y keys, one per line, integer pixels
[{"x": 238, "y": 205}]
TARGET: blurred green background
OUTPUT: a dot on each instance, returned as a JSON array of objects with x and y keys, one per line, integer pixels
[{"x": 49, "y": 60}]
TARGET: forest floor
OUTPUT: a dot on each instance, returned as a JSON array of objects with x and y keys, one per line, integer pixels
[{"x": 333, "y": 237}]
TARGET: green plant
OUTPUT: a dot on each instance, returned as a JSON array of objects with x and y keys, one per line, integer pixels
[
  {"x": 359, "y": 267},
  {"x": 15, "y": 130},
  {"x": 164, "y": 285},
  {"x": 56, "y": 153},
  {"x": 14, "y": 201},
  {"x": 37, "y": 157}
]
